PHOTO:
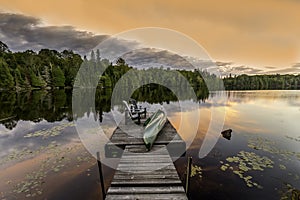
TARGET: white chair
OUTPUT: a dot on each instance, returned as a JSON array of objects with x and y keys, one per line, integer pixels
[{"x": 132, "y": 115}]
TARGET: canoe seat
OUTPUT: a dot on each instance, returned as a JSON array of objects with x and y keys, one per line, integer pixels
[{"x": 134, "y": 112}]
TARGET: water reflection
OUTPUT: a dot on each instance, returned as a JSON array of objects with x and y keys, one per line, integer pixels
[
  {"x": 36, "y": 134},
  {"x": 265, "y": 125}
]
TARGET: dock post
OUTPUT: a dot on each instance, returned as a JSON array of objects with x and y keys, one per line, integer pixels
[
  {"x": 188, "y": 175},
  {"x": 101, "y": 175}
]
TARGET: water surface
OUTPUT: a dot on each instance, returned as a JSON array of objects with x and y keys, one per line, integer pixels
[{"x": 42, "y": 156}]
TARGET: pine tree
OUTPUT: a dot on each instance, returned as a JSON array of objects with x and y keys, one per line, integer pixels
[
  {"x": 6, "y": 79},
  {"x": 19, "y": 82},
  {"x": 98, "y": 58},
  {"x": 58, "y": 77},
  {"x": 36, "y": 80},
  {"x": 93, "y": 59}
]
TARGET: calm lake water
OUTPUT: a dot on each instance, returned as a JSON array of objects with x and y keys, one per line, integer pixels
[{"x": 42, "y": 156}]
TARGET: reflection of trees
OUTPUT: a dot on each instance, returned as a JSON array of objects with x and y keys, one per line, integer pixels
[
  {"x": 34, "y": 106},
  {"x": 56, "y": 105},
  {"x": 154, "y": 93}
]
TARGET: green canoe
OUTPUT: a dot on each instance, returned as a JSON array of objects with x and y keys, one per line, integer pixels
[{"x": 154, "y": 124}]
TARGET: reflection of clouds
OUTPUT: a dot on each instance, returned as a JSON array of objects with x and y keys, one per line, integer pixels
[
  {"x": 21, "y": 125},
  {"x": 3, "y": 130},
  {"x": 292, "y": 97},
  {"x": 14, "y": 139},
  {"x": 263, "y": 111}
]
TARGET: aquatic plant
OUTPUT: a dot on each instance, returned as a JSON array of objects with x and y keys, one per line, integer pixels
[
  {"x": 244, "y": 162},
  {"x": 46, "y": 133},
  {"x": 259, "y": 143},
  {"x": 57, "y": 158},
  {"x": 196, "y": 170}
]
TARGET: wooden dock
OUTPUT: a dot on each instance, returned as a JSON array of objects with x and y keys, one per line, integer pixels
[
  {"x": 133, "y": 135},
  {"x": 141, "y": 174}
]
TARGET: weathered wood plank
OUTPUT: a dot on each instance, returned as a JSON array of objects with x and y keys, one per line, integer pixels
[
  {"x": 179, "y": 196},
  {"x": 143, "y": 174},
  {"x": 125, "y": 135},
  {"x": 137, "y": 178},
  {"x": 146, "y": 190}
]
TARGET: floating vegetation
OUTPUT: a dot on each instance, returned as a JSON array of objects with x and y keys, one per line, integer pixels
[
  {"x": 293, "y": 138},
  {"x": 17, "y": 155},
  {"x": 245, "y": 162},
  {"x": 26, "y": 153},
  {"x": 196, "y": 170},
  {"x": 289, "y": 192},
  {"x": 266, "y": 145},
  {"x": 31, "y": 186},
  {"x": 55, "y": 158},
  {"x": 259, "y": 143},
  {"x": 282, "y": 167},
  {"x": 46, "y": 133}
]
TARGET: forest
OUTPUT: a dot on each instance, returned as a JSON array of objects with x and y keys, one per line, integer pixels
[
  {"x": 263, "y": 82},
  {"x": 50, "y": 69}
]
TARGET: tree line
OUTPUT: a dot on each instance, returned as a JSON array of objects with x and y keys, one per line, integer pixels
[
  {"x": 45, "y": 69},
  {"x": 48, "y": 69},
  {"x": 262, "y": 82}
]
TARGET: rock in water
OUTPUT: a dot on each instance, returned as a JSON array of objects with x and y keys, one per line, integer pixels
[{"x": 227, "y": 134}]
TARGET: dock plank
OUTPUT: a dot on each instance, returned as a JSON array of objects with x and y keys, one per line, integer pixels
[
  {"x": 179, "y": 196},
  {"x": 146, "y": 175},
  {"x": 125, "y": 135}
]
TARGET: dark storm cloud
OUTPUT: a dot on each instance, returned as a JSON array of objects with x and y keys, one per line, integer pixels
[
  {"x": 150, "y": 57},
  {"x": 113, "y": 48},
  {"x": 22, "y": 32}
]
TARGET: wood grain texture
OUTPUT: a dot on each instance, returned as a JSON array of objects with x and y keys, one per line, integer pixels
[
  {"x": 146, "y": 175},
  {"x": 132, "y": 134}
]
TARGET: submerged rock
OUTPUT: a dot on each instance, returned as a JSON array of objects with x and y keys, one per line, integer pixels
[{"x": 227, "y": 134}]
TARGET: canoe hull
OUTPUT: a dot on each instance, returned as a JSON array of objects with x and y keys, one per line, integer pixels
[{"x": 156, "y": 123}]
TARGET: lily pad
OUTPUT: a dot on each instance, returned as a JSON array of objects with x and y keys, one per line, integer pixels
[
  {"x": 196, "y": 170},
  {"x": 244, "y": 162}
]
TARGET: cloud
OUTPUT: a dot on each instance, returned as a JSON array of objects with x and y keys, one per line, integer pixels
[
  {"x": 288, "y": 70},
  {"x": 22, "y": 32},
  {"x": 113, "y": 48},
  {"x": 247, "y": 70},
  {"x": 296, "y": 65},
  {"x": 231, "y": 68},
  {"x": 219, "y": 63},
  {"x": 151, "y": 57},
  {"x": 270, "y": 67}
]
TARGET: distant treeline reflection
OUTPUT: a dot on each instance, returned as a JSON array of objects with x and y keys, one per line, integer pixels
[{"x": 56, "y": 105}]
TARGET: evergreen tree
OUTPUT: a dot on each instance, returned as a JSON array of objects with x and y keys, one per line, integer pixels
[
  {"x": 36, "y": 80},
  {"x": 58, "y": 77},
  {"x": 6, "y": 79},
  {"x": 19, "y": 82},
  {"x": 98, "y": 58}
]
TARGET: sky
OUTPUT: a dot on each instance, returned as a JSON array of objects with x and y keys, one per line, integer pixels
[{"x": 253, "y": 36}]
